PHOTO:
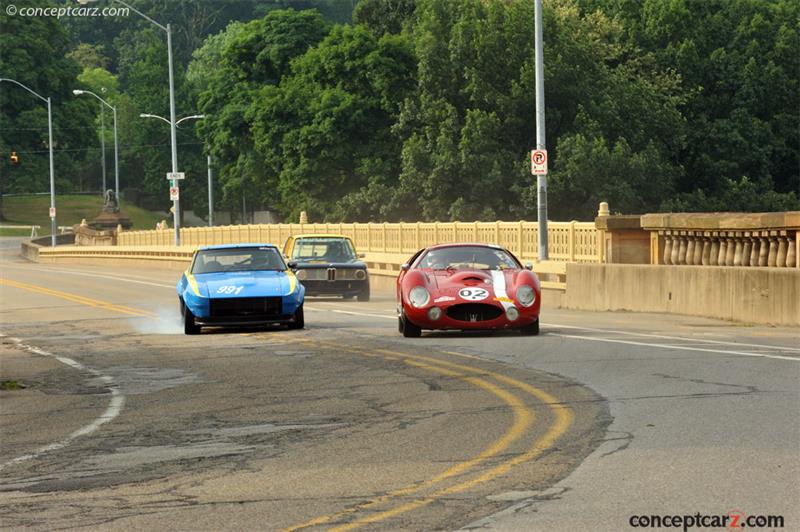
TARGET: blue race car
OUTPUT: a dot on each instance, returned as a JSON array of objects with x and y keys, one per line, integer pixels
[{"x": 239, "y": 285}]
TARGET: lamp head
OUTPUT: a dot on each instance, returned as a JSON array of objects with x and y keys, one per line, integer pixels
[{"x": 77, "y": 92}]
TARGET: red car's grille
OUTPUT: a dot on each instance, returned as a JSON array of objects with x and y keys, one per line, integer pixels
[{"x": 474, "y": 312}]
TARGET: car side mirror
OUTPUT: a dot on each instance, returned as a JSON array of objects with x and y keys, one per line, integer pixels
[
  {"x": 292, "y": 265},
  {"x": 404, "y": 267},
  {"x": 361, "y": 255},
  {"x": 529, "y": 266}
]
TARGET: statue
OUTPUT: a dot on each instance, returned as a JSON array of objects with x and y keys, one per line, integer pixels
[
  {"x": 110, "y": 218},
  {"x": 111, "y": 204}
]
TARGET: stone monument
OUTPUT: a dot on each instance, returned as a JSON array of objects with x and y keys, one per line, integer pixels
[{"x": 111, "y": 216}]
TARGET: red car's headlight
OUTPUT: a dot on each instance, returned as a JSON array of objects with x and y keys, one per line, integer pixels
[
  {"x": 525, "y": 295},
  {"x": 419, "y": 296}
]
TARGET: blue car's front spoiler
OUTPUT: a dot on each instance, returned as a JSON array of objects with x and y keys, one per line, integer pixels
[{"x": 242, "y": 321}]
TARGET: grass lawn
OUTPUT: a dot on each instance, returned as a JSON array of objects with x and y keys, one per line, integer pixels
[{"x": 33, "y": 210}]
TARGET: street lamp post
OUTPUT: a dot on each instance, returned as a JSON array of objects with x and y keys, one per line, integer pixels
[
  {"x": 210, "y": 192},
  {"x": 541, "y": 179},
  {"x": 172, "y": 124},
  {"x": 210, "y": 189},
  {"x": 52, "y": 172},
  {"x": 103, "y": 144},
  {"x": 78, "y": 92}
]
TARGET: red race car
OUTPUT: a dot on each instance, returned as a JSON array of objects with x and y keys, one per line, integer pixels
[{"x": 466, "y": 286}]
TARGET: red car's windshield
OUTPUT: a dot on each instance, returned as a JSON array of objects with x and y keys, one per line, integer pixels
[{"x": 468, "y": 257}]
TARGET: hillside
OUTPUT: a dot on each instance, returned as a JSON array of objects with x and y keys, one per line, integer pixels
[{"x": 33, "y": 210}]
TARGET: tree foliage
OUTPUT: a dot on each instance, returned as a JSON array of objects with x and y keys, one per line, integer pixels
[{"x": 424, "y": 109}]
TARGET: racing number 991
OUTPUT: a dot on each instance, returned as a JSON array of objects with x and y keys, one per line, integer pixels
[{"x": 229, "y": 289}]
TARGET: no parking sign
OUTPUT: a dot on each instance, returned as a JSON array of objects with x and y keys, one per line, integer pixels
[{"x": 538, "y": 162}]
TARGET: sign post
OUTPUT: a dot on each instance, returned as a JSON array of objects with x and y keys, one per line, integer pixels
[{"x": 541, "y": 147}]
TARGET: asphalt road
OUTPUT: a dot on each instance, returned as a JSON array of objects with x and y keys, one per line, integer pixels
[{"x": 125, "y": 423}]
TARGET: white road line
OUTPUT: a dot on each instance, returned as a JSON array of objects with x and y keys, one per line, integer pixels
[
  {"x": 112, "y": 411},
  {"x": 352, "y": 313},
  {"x": 590, "y": 329},
  {"x": 627, "y": 342},
  {"x": 678, "y": 347},
  {"x": 665, "y": 337},
  {"x": 87, "y": 274}
]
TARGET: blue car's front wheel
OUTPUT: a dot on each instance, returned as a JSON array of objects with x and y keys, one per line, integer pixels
[
  {"x": 299, "y": 320},
  {"x": 189, "y": 325}
]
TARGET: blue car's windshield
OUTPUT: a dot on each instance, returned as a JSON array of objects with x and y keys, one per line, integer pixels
[
  {"x": 238, "y": 260},
  {"x": 323, "y": 250}
]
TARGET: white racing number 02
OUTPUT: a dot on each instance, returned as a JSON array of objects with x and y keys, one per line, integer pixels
[{"x": 473, "y": 294}]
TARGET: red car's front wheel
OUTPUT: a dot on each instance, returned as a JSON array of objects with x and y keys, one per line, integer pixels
[
  {"x": 408, "y": 329},
  {"x": 532, "y": 329}
]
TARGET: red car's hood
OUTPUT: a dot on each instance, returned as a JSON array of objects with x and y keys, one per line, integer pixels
[{"x": 449, "y": 282}]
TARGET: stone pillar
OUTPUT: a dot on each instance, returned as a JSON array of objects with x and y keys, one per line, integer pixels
[
  {"x": 746, "y": 252},
  {"x": 675, "y": 246},
  {"x": 737, "y": 254},
  {"x": 723, "y": 251},
  {"x": 698, "y": 251},
  {"x": 791, "y": 255},
  {"x": 763, "y": 251},
  {"x": 730, "y": 252},
  {"x": 783, "y": 248},
  {"x": 682, "y": 250},
  {"x": 772, "y": 259},
  {"x": 667, "y": 249},
  {"x": 690, "y": 250},
  {"x": 713, "y": 257},
  {"x": 754, "y": 251},
  {"x": 706, "y": 258}
]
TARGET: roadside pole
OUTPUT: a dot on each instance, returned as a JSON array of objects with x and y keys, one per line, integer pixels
[{"x": 541, "y": 146}]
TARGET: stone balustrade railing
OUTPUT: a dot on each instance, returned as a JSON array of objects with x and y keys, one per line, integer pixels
[
  {"x": 774, "y": 249},
  {"x": 724, "y": 239}
]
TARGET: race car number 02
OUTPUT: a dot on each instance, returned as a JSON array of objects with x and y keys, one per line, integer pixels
[
  {"x": 473, "y": 294},
  {"x": 229, "y": 289}
]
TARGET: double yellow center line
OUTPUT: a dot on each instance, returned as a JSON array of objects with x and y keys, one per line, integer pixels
[
  {"x": 104, "y": 305},
  {"x": 523, "y": 418}
]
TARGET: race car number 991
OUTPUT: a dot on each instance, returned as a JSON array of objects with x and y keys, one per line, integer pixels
[
  {"x": 229, "y": 289},
  {"x": 473, "y": 294}
]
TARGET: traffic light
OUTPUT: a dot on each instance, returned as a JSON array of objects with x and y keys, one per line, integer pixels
[{"x": 14, "y": 158}]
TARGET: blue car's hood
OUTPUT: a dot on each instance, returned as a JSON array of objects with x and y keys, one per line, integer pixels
[{"x": 254, "y": 284}]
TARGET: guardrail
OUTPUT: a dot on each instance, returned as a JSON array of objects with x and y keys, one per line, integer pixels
[
  {"x": 553, "y": 274},
  {"x": 568, "y": 241},
  {"x": 34, "y": 228}
]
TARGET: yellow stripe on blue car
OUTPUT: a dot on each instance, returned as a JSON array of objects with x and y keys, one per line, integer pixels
[
  {"x": 292, "y": 282},
  {"x": 192, "y": 282}
]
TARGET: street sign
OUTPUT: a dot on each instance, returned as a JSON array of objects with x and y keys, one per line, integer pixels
[
  {"x": 52, "y": 212},
  {"x": 174, "y": 193},
  {"x": 175, "y": 175},
  {"x": 538, "y": 162}
]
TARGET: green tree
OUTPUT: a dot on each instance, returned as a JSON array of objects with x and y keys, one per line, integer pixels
[
  {"x": 250, "y": 59},
  {"x": 33, "y": 52},
  {"x": 739, "y": 62},
  {"x": 384, "y": 16},
  {"x": 325, "y": 132},
  {"x": 470, "y": 125}
]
